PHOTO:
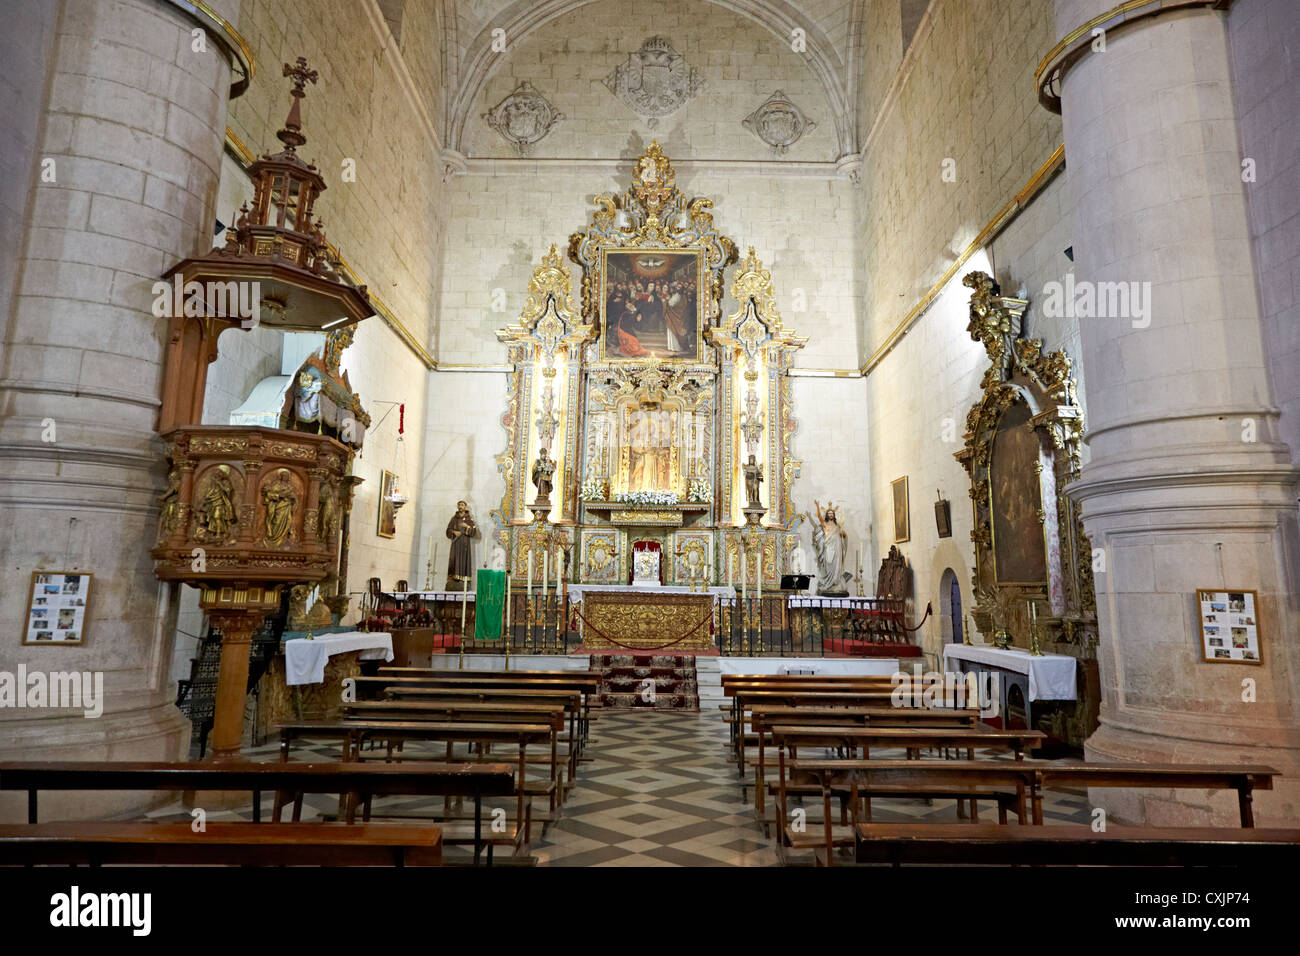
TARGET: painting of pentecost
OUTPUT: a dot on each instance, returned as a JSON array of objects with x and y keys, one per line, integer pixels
[{"x": 651, "y": 305}]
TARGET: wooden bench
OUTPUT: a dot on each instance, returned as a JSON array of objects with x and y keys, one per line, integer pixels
[
  {"x": 354, "y": 733},
  {"x": 289, "y": 782},
  {"x": 745, "y": 700},
  {"x": 574, "y": 702},
  {"x": 987, "y": 845},
  {"x": 227, "y": 844}
]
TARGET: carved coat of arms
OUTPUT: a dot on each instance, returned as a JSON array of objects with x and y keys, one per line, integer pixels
[
  {"x": 523, "y": 117},
  {"x": 654, "y": 81}
]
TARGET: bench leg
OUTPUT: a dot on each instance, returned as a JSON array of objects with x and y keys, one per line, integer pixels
[{"x": 1244, "y": 802}]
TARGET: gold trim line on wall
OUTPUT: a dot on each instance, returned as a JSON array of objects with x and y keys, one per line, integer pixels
[{"x": 1005, "y": 215}]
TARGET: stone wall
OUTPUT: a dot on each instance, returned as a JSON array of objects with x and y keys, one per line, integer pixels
[{"x": 966, "y": 94}]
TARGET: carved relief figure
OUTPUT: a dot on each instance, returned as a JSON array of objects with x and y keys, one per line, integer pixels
[
  {"x": 217, "y": 509},
  {"x": 169, "y": 506},
  {"x": 278, "y": 503},
  {"x": 461, "y": 530},
  {"x": 329, "y": 515},
  {"x": 543, "y": 475},
  {"x": 831, "y": 544}
]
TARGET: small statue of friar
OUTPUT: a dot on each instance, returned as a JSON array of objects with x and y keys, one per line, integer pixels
[
  {"x": 461, "y": 529},
  {"x": 753, "y": 478},
  {"x": 543, "y": 475}
]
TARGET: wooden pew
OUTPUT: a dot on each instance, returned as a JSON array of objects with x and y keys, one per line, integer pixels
[
  {"x": 787, "y": 739},
  {"x": 289, "y": 782},
  {"x": 745, "y": 699},
  {"x": 988, "y": 844},
  {"x": 353, "y": 733},
  {"x": 75, "y": 843},
  {"x": 389, "y": 670},
  {"x": 765, "y": 717}
]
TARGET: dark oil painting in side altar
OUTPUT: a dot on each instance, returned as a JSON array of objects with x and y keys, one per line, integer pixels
[{"x": 651, "y": 305}]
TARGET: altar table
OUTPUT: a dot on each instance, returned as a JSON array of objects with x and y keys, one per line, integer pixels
[
  {"x": 304, "y": 659},
  {"x": 1051, "y": 676},
  {"x": 623, "y": 619},
  {"x": 576, "y": 591}
]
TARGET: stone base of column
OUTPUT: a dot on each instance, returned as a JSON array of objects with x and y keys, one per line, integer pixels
[
  {"x": 1192, "y": 808},
  {"x": 158, "y": 732}
]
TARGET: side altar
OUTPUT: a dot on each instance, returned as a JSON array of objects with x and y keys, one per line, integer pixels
[{"x": 643, "y": 424}]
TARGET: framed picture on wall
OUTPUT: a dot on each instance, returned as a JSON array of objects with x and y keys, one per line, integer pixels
[
  {"x": 652, "y": 304},
  {"x": 387, "y": 513},
  {"x": 57, "y": 608},
  {"x": 1229, "y": 626},
  {"x": 902, "y": 522}
]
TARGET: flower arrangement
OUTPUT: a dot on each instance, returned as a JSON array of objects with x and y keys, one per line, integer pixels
[
  {"x": 593, "y": 489},
  {"x": 699, "y": 490},
  {"x": 647, "y": 498}
]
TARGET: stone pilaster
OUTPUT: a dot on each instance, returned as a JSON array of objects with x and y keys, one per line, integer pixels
[
  {"x": 1188, "y": 485},
  {"x": 133, "y": 118}
]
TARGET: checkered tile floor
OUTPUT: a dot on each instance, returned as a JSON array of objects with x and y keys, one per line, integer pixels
[{"x": 659, "y": 789}]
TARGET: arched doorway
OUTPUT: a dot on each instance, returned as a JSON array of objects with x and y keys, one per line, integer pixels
[{"x": 950, "y": 613}]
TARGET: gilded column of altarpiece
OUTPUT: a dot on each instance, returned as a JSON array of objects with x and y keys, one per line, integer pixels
[{"x": 648, "y": 401}]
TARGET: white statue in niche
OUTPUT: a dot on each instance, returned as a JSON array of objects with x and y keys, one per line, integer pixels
[
  {"x": 798, "y": 560},
  {"x": 498, "y": 562}
]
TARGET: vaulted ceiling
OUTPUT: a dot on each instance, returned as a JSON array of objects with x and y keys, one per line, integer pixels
[{"x": 831, "y": 28}]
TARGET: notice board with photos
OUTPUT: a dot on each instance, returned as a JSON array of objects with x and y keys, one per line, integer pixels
[
  {"x": 56, "y": 607},
  {"x": 1229, "y": 626}
]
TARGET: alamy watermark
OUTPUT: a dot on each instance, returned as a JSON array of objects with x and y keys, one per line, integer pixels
[
  {"x": 1098, "y": 300},
  {"x": 226, "y": 300},
  {"x": 931, "y": 689},
  {"x": 65, "y": 689}
]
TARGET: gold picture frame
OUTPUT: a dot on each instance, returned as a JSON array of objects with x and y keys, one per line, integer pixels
[
  {"x": 58, "y": 608},
  {"x": 902, "y": 518},
  {"x": 1229, "y": 626},
  {"x": 645, "y": 304},
  {"x": 386, "y": 525}
]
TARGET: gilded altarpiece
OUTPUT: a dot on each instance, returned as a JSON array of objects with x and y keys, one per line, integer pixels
[
  {"x": 648, "y": 401},
  {"x": 1022, "y": 449}
]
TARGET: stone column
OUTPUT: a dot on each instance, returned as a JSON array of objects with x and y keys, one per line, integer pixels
[
  {"x": 1188, "y": 485},
  {"x": 133, "y": 119}
]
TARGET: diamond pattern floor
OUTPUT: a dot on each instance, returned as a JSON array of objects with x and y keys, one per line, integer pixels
[{"x": 659, "y": 789}]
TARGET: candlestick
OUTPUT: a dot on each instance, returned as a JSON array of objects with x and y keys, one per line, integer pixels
[
  {"x": 546, "y": 556},
  {"x": 464, "y": 603},
  {"x": 508, "y": 602},
  {"x": 530, "y": 575},
  {"x": 559, "y": 572},
  {"x": 758, "y": 576}
]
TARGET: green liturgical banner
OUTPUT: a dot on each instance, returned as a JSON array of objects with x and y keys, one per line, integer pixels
[{"x": 489, "y": 604}]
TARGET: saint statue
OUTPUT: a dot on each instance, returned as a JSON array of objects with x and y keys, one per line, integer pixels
[
  {"x": 306, "y": 400},
  {"x": 831, "y": 545},
  {"x": 498, "y": 562},
  {"x": 217, "y": 509},
  {"x": 460, "y": 530},
  {"x": 798, "y": 561},
  {"x": 543, "y": 475},
  {"x": 278, "y": 503},
  {"x": 753, "y": 478}
]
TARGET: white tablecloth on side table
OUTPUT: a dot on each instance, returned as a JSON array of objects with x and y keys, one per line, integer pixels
[
  {"x": 1051, "y": 676},
  {"x": 304, "y": 659}
]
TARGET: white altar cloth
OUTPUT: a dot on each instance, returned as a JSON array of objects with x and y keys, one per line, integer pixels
[
  {"x": 431, "y": 595},
  {"x": 1051, "y": 676},
  {"x": 304, "y": 660},
  {"x": 576, "y": 591}
]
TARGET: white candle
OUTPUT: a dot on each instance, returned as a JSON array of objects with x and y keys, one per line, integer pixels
[
  {"x": 559, "y": 572},
  {"x": 546, "y": 557},
  {"x": 758, "y": 578},
  {"x": 507, "y": 602},
  {"x": 727, "y": 559},
  {"x": 530, "y": 574},
  {"x": 744, "y": 574},
  {"x": 464, "y": 602}
]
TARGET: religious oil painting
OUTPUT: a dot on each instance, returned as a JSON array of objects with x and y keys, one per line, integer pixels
[
  {"x": 387, "y": 513},
  {"x": 57, "y": 606},
  {"x": 1015, "y": 492},
  {"x": 902, "y": 520},
  {"x": 651, "y": 304}
]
